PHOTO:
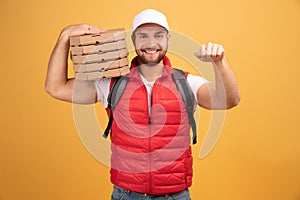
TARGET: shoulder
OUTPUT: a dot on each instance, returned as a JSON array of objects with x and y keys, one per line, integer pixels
[
  {"x": 102, "y": 86},
  {"x": 103, "y": 82},
  {"x": 195, "y": 78},
  {"x": 196, "y": 82},
  {"x": 179, "y": 72}
]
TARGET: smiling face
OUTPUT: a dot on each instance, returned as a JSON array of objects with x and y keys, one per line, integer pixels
[{"x": 151, "y": 43}]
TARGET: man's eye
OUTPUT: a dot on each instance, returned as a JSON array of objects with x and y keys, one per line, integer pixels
[
  {"x": 143, "y": 36},
  {"x": 158, "y": 36}
]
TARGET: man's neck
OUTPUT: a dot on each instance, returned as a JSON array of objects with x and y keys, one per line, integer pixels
[{"x": 151, "y": 73}]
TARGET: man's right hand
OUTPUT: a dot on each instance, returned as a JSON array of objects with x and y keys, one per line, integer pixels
[
  {"x": 77, "y": 30},
  {"x": 57, "y": 83}
]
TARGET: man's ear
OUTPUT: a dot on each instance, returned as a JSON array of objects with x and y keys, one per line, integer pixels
[
  {"x": 133, "y": 38},
  {"x": 168, "y": 36}
]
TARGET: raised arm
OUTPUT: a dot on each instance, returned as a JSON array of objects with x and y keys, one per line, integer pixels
[
  {"x": 57, "y": 83},
  {"x": 224, "y": 94}
]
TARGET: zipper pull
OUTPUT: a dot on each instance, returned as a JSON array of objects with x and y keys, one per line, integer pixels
[{"x": 150, "y": 121}]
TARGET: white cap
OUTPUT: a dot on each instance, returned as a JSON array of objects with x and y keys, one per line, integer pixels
[{"x": 150, "y": 16}]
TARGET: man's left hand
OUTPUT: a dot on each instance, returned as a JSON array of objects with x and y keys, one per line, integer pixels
[{"x": 210, "y": 52}]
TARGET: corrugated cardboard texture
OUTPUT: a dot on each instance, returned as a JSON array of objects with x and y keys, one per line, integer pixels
[
  {"x": 105, "y": 74},
  {"x": 89, "y": 49},
  {"x": 101, "y": 66},
  {"x": 108, "y": 36},
  {"x": 100, "y": 57}
]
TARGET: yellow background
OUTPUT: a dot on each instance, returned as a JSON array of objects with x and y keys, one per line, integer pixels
[{"x": 258, "y": 154}]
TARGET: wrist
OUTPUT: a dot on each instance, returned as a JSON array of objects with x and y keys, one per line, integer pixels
[{"x": 220, "y": 64}]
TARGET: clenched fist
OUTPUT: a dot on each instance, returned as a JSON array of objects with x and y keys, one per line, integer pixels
[{"x": 210, "y": 52}]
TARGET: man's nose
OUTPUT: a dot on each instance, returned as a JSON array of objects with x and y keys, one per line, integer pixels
[{"x": 151, "y": 42}]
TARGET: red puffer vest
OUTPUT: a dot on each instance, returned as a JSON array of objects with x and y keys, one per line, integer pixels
[{"x": 151, "y": 151}]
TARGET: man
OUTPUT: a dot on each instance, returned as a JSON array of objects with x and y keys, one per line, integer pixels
[{"x": 151, "y": 154}]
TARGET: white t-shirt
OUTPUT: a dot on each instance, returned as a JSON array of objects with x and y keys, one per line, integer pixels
[{"x": 103, "y": 87}]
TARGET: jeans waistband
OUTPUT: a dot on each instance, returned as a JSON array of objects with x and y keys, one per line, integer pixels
[{"x": 148, "y": 195}]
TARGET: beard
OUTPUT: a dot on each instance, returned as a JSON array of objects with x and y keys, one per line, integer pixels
[{"x": 150, "y": 61}]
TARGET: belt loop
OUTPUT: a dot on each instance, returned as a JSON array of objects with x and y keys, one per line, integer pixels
[
  {"x": 127, "y": 191},
  {"x": 169, "y": 197}
]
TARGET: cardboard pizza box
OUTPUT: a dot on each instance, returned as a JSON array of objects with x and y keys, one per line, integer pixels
[
  {"x": 108, "y": 36},
  {"x": 100, "y": 57},
  {"x": 90, "y": 49},
  {"x": 103, "y": 66},
  {"x": 105, "y": 74}
]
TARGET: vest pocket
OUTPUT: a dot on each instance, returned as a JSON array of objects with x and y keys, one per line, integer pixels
[{"x": 188, "y": 166}]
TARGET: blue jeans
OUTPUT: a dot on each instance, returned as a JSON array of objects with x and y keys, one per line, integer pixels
[{"x": 122, "y": 194}]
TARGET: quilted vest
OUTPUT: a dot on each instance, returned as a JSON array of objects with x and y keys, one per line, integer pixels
[{"x": 151, "y": 151}]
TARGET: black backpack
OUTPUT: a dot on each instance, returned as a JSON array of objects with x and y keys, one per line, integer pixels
[{"x": 182, "y": 85}]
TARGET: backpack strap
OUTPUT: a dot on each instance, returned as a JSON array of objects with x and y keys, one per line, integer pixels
[
  {"x": 187, "y": 97},
  {"x": 113, "y": 98}
]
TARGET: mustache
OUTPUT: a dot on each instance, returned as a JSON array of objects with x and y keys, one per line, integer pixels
[{"x": 151, "y": 49}]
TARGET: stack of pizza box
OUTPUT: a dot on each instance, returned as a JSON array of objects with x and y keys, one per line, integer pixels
[{"x": 100, "y": 56}]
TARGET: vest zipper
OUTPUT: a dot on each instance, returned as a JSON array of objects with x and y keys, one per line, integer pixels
[
  {"x": 150, "y": 168},
  {"x": 149, "y": 139},
  {"x": 149, "y": 142}
]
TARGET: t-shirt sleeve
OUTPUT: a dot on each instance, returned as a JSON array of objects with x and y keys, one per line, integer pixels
[
  {"x": 102, "y": 88},
  {"x": 196, "y": 82}
]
